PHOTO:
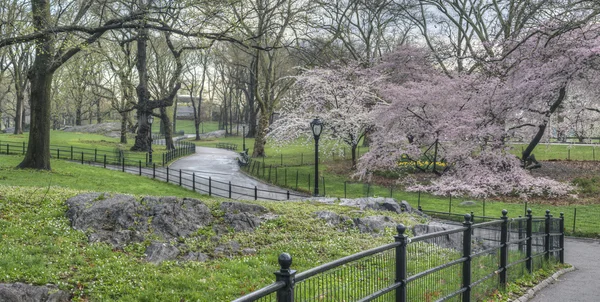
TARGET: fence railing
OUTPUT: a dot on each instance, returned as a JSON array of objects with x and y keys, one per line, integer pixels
[
  {"x": 104, "y": 156},
  {"x": 191, "y": 180},
  {"x": 466, "y": 263}
]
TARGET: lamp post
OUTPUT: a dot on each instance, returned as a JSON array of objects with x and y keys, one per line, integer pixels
[
  {"x": 317, "y": 127},
  {"x": 150, "y": 120},
  {"x": 244, "y": 138}
]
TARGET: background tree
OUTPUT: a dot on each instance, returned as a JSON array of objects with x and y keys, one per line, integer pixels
[{"x": 342, "y": 97}]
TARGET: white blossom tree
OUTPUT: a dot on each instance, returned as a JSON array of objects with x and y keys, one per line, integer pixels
[{"x": 341, "y": 96}]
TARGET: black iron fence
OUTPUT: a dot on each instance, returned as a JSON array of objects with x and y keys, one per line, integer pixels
[
  {"x": 195, "y": 181},
  {"x": 466, "y": 263},
  {"x": 106, "y": 156}
]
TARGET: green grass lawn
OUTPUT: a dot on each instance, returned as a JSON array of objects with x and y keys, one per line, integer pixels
[
  {"x": 94, "y": 147},
  {"x": 187, "y": 126},
  {"x": 39, "y": 247},
  {"x": 561, "y": 152}
]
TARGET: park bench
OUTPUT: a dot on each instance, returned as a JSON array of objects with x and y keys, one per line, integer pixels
[
  {"x": 227, "y": 146},
  {"x": 244, "y": 159}
]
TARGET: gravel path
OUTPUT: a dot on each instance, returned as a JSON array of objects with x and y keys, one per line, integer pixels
[{"x": 581, "y": 285}]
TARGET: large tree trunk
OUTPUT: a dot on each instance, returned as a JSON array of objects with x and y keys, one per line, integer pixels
[
  {"x": 78, "y": 116},
  {"x": 252, "y": 89},
  {"x": 19, "y": 111},
  {"x": 353, "y": 148},
  {"x": 542, "y": 128},
  {"x": 143, "y": 137},
  {"x": 166, "y": 123},
  {"x": 40, "y": 77},
  {"x": 261, "y": 134},
  {"x": 124, "y": 118}
]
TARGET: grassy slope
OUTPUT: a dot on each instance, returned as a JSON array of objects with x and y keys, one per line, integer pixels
[{"x": 39, "y": 246}]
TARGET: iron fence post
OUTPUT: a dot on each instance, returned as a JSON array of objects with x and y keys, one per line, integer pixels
[
  {"x": 547, "y": 235},
  {"x": 230, "y": 190},
  {"x": 140, "y": 167},
  {"x": 255, "y": 193},
  {"x": 95, "y": 154},
  {"x": 466, "y": 269},
  {"x": 180, "y": 177},
  {"x": 520, "y": 235},
  {"x": 285, "y": 274},
  {"x": 153, "y": 170},
  {"x": 123, "y": 164},
  {"x": 58, "y": 154},
  {"x": 574, "y": 218},
  {"x": 82, "y": 158},
  {"x": 194, "y": 182},
  {"x": 288, "y": 195},
  {"x": 23, "y": 148},
  {"x": 401, "y": 263},
  {"x": 503, "y": 249},
  {"x": 104, "y": 161},
  {"x": 529, "y": 262},
  {"x": 71, "y": 152},
  {"x": 345, "y": 189},
  {"x": 209, "y": 186},
  {"x": 167, "y": 174},
  {"x": 562, "y": 238}
]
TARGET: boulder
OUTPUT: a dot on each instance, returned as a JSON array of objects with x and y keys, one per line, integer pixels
[
  {"x": 242, "y": 222},
  {"x": 332, "y": 218},
  {"x": 378, "y": 203},
  {"x": 453, "y": 241},
  {"x": 196, "y": 256},
  {"x": 158, "y": 252},
  {"x": 468, "y": 203},
  {"x": 20, "y": 292},
  {"x": 172, "y": 217},
  {"x": 227, "y": 250},
  {"x": 244, "y": 217},
  {"x": 120, "y": 219},
  {"x": 374, "y": 224}
]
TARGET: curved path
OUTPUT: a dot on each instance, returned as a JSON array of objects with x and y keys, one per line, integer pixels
[
  {"x": 222, "y": 166},
  {"x": 581, "y": 285}
]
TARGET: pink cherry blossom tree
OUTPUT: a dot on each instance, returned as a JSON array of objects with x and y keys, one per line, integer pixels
[
  {"x": 472, "y": 116},
  {"x": 341, "y": 96}
]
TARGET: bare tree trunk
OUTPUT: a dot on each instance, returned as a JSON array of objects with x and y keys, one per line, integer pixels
[
  {"x": 124, "y": 118},
  {"x": 542, "y": 128},
  {"x": 40, "y": 77},
  {"x": 143, "y": 137},
  {"x": 166, "y": 123},
  {"x": 261, "y": 133},
  {"x": 19, "y": 112}
]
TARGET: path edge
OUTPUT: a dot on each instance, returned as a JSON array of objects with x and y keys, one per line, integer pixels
[{"x": 550, "y": 280}]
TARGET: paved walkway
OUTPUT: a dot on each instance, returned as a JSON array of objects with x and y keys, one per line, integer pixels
[
  {"x": 581, "y": 285},
  {"x": 222, "y": 166}
]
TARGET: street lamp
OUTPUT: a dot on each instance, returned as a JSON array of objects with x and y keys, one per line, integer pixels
[
  {"x": 244, "y": 138},
  {"x": 150, "y": 120},
  {"x": 317, "y": 127}
]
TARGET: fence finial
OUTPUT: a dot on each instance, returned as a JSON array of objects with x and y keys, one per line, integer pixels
[
  {"x": 285, "y": 261},
  {"x": 401, "y": 229},
  {"x": 467, "y": 218},
  {"x": 547, "y": 212},
  {"x": 529, "y": 211},
  {"x": 562, "y": 215},
  {"x": 504, "y": 213}
]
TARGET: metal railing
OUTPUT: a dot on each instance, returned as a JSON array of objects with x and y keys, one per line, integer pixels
[
  {"x": 185, "y": 178},
  {"x": 468, "y": 262},
  {"x": 105, "y": 156}
]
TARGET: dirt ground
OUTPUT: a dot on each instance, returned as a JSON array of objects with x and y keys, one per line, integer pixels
[{"x": 567, "y": 170}]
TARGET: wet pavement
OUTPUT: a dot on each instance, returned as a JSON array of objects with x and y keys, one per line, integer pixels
[
  {"x": 222, "y": 167},
  {"x": 581, "y": 285}
]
